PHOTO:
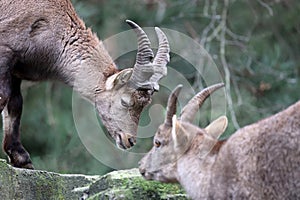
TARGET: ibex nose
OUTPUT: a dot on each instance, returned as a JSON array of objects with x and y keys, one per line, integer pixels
[
  {"x": 142, "y": 171},
  {"x": 126, "y": 140}
]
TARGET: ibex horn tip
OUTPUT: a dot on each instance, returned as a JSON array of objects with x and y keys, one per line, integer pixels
[
  {"x": 132, "y": 24},
  {"x": 172, "y": 103},
  {"x": 179, "y": 86}
]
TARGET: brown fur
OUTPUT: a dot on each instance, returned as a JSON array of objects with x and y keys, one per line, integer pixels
[
  {"x": 45, "y": 39},
  {"x": 259, "y": 161}
]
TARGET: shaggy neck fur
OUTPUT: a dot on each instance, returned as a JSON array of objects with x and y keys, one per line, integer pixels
[{"x": 91, "y": 60}]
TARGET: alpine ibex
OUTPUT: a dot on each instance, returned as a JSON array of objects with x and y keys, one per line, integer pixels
[
  {"x": 259, "y": 161},
  {"x": 45, "y": 39}
]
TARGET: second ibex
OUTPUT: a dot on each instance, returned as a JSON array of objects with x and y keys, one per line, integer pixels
[{"x": 259, "y": 161}]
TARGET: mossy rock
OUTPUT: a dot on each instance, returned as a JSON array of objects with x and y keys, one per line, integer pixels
[
  {"x": 128, "y": 184},
  {"x": 16, "y": 184},
  {"x": 26, "y": 184}
]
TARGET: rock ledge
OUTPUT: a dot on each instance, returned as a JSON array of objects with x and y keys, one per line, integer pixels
[{"x": 16, "y": 184}]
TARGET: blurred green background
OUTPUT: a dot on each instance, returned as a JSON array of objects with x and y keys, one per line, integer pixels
[{"x": 255, "y": 44}]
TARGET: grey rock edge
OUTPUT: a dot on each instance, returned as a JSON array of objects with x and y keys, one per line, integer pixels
[{"x": 17, "y": 184}]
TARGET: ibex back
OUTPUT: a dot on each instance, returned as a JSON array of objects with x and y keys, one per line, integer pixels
[
  {"x": 260, "y": 161},
  {"x": 45, "y": 39}
]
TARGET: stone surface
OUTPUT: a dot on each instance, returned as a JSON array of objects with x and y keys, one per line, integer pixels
[{"x": 26, "y": 184}]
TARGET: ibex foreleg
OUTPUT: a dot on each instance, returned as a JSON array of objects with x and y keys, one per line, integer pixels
[
  {"x": 5, "y": 80},
  {"x": 12, "y": 146}
]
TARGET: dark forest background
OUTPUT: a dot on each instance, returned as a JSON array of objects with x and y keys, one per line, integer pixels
[{"x": 255, "y": 44}]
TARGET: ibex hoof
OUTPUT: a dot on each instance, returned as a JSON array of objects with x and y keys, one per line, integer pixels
[
  {"x": 27, "y": 164},
  {"x": 19, "y": 158}
]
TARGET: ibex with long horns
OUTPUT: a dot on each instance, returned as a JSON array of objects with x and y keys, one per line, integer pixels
[
  {"x": 45, "y": 39},
  {"x": 259, "y": 161}
]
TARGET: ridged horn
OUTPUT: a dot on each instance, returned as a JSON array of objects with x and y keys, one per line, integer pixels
[
  {"x": 146, "y": 74},
  {"x": 141, "y": 70},
  {"x": 172, "y": 104},
  {"x": 162, "y": 56},
  {"x": 144, "y": 53},
  {"x": 161, "y": 59},
  {"x": 189, "y": 111}
]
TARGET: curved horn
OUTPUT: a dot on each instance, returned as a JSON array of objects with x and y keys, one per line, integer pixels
[
  {"x": 146, "y": 74},
  {"x": 141, "y": 71},
  {"x": 144, "y": 53},
  {"x": 189, "y": 111},
  {"x": 161, "y": 59},
  {"x": 172, "y": 103}
]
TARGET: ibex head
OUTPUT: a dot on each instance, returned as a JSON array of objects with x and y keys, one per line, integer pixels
[
  {"x": 176, "y": 136},
  {"x": 129, "y": 91}
]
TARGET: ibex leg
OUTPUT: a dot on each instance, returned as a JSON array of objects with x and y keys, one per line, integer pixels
[
  {"x": 17, "y": 154},
  {"x": 5, "y": 77}
]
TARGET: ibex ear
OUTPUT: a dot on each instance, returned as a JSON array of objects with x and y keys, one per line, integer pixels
[
  {"x": 217, "y": 127},
  {"x": 179, "y": 136},
  {"x": 118, "y": 79}
]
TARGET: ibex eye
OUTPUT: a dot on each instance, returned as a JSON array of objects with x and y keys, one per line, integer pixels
[
  {"x": 157, "y": 143},
  {"x": 124, "y": 103}
]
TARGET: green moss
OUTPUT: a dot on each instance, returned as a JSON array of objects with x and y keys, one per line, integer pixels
[
  {"x": 156, "y": 189},
  {"x": 42, "y": 184},
  {"x": 128, "y": 184},
  {"x": 120, "y": 194}
]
